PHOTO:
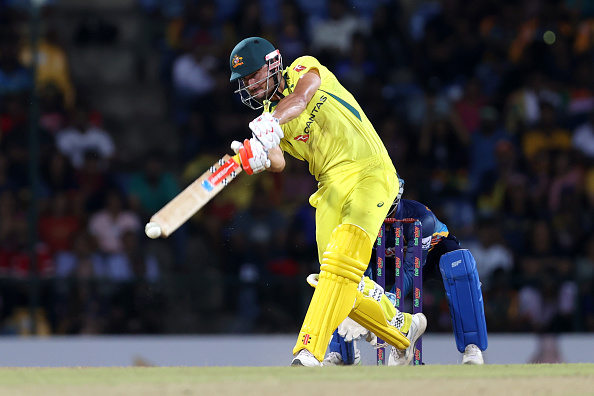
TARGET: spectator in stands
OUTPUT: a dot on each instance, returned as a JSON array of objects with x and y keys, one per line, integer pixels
[
  {"x": 483, "y": 144},
  {"x": 153, "y": 187},
  {"x": 258, "y": 237},
  {"x": 501, "y": 303},
  {"x": 109, "y": 224},
  {"x": 425, "y": 105},
  {"x": 549, "y": 304},
  {"x": 53, "y": 115},
  {"x": 13, "y": 115},
  {"x": 547, "y": 135},
  {"x": 567, "y": 178},
  {"x": 518, "y": 212},
  {"x": 192, "y": 80},
  {"x": 538, "y": 170},
  {"x": 216, "y": 116},
  {"x": 132, "y": 263},
  {"x": 292, "y": 38},
  {"x": 82, "y": 137},
  {"x": 442, "y": 150},
  {"x": 13, "y": 223},
  {"x": 332, "y": 37},
  {"x": 6, "y": 184},
  {"x": 585, "y": 279},
  {"x": 568, "y": 220},
  {"x": 542, "y": 251},
  {"x": 470, "y": 105},
  {"x": 82, "y": 260},
  {"x": 582, "y": 138},
  {"x": 52, "y": 68},
  {"x": 356, "y": 68},
  {"x": 80, "y": 304},
  {"x": 59, "y": 224},
  {"x": 14, "y": 77},
  {"x": 58, "y": 175},
  {"x": 490, "y": 252},
  {"x": 16, "y": 147},
  {"x": 579, "y": 100},
  {"x": 200, "y": 26},
  {"x": 93, "y": 181},
  {"x": 585, "y": 261},
  {"x": 522, "y": 105},
  {"x": 388, "y": 23},
  {"x": 248, "y": 21}
]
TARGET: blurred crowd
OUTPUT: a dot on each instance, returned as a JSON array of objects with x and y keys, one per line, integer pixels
[{"x": 486, "y": 107}]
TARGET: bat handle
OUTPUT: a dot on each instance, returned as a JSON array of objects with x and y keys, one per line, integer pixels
[{"x": 266, "y": 106}]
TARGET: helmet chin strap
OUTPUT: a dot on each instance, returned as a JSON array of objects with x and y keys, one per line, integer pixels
[{"x": 277, "y": 83}]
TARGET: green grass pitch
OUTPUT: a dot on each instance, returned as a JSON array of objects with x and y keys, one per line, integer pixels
[{"x": 501, "y": 380}]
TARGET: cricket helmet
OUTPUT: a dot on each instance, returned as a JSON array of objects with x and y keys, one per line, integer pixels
[
  {"x": 249, "y": 56},
  {"x": 394, "y": 206}
]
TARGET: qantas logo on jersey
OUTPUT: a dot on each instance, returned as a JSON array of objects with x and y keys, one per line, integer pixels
[
  {"x": 312, "y": 115},
  {"x": 299, "y": 68},
  {"x": 302, "y": 138}
]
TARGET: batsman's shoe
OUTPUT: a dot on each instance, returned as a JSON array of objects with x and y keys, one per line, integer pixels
[
  {"x": 472, "y": 355},
  {"x": 335, "y": 359},
  {"x": 305, "y": 358},
  {"x": 403, "y": 357}
]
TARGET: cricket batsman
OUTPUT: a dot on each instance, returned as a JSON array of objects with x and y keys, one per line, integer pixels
[{"x": 308, "y": 114}]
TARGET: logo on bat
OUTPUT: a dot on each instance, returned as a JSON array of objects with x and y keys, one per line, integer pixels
[
  {"x": 207, "y": 185},
  {"x": 219, "y": 176}
]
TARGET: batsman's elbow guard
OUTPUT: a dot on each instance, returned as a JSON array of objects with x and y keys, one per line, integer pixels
[{"x": 465, "y": 298}]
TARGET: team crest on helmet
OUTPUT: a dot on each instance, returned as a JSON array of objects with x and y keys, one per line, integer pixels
[
  {"x": 237, "y": 61},
  {"x": 299, "y": 68}
]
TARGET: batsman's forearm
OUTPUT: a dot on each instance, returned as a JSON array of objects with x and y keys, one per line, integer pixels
[
  {"x": 295, "y": 103},
  {"x": 277, "y": 160},
  {"x": 289, "y": 108}
]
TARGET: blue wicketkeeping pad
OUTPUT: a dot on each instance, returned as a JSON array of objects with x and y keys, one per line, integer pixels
[
  {"x": 346, "y": 349},
  {"x": 463, "y": 290}
]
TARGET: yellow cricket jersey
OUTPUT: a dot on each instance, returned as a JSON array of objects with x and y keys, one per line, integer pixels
[{"x": 333, "y": 130}]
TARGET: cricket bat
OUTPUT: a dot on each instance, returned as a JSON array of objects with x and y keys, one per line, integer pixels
[{"x": 193, "y": 198}]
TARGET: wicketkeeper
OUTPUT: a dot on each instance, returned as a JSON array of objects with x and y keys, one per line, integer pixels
[{"x": 442, "y": 251}]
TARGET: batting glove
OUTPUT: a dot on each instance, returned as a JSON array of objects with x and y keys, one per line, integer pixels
[
  {"x": 253, "y": 155},
  {"x": 267, "y": 130}
]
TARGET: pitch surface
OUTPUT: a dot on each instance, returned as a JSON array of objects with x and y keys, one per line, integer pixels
[{"x": 507, "y": 380}]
